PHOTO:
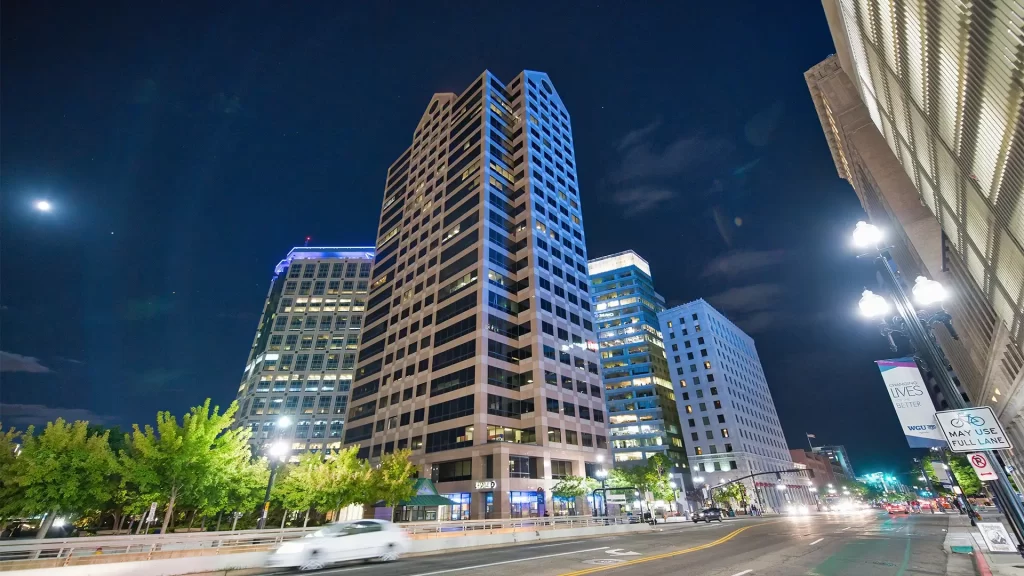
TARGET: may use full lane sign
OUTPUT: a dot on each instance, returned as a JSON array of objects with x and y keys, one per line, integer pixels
[{"x": 972, "y": 429}]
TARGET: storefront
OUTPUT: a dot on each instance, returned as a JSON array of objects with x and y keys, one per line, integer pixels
[
  {"x": 460, "y": 506},
  {"x": 563, "y": 506},
  {"x": 526, "y": 504}
]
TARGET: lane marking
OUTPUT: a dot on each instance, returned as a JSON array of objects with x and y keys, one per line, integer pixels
[
  {"x": 509, "y": 562},
  {"x": 721, "y": 540},
  {"x": 742, "y": 573},
  {"x": 556, "y": 544},
  {"x": 816, "y": 541},
  {"x": 845, "y": 529}
]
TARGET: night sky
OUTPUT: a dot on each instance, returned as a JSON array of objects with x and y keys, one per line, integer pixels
[{"x": 186, "y": 148}]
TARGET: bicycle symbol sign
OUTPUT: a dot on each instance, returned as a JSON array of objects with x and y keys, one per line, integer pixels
[{"x": 972, "y": 430}]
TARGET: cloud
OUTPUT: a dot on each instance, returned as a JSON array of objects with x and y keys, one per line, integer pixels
[
  {"x": 753, "y": 298},
  {"x": 738, "y": 262},
  {"x": 636, "y": 201},
  {"x": 22, "y": 415},
  {"x": 639, "y": 135},
  {"x": 11, "y": 362},
  {"x": 760, "y": 128},
  {"x": 643, "y": 161}
]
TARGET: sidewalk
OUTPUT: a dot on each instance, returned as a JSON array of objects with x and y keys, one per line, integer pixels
[{"x": 963, "y": 541}]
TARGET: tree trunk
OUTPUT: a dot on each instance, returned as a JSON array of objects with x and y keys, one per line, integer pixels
[
  {"x": 219, "y": 514},
  {"x": 193, "y": 520},
  {"x": 234, "y": 521},
  {"x": 47, "y": 523},
  {"x": 202, "y": 527},
  {"x": 306, "y": 520},
  {"x": 284, "y": 516},
  {"x": 170, "y": 510}
]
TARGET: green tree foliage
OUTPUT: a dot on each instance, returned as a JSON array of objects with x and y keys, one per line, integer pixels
[
  {"x": 648, "y": 476},
  {"x": 965, "y": 475},
  {"x": 9, "y": 490},
  {"x": 182, "y": 462},
  {"x": 570, "y": 487},
  {"x": 735, "y": 492},
  {"x": 63, "y": 470},
  {"x": 392, "y": 480},
  {"x": 345, "y": 480},
  {"x": 297, "y": 485}
]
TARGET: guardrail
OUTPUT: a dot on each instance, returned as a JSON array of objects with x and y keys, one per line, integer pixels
[{"x": 54, "y": 552}]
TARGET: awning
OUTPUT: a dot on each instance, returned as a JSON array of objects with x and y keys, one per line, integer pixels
[{"x": 426, "y": 495}]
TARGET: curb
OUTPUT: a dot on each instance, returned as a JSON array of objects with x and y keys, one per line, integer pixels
[{"x": 981, "y": 565}]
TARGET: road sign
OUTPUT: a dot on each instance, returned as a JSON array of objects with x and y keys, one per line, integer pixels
[
  {"x": 617, "y": 498},
  {"x": 982, "y": 467},
  {"x": 996, "y": 537},
  {"x": 152, "y": 512},
  {"x": 972, "y": 429}
]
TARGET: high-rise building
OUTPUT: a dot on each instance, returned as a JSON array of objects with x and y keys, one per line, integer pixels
[
  {"x": 839, "y": 459},
  {"x": 479, "y": 352},
  {"x": 923, "y": 117},
  {"x": 725, "y": 406},
  {"x": 296, "y": 381},
  {"x": 642, "y": 415}
]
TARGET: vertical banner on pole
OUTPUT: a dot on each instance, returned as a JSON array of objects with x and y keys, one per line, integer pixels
[{"x": 909, "y": 396}]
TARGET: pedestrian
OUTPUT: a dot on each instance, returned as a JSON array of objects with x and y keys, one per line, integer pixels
[{"x": 753, "y": 510}]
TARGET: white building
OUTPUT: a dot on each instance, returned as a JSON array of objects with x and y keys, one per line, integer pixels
[
  {"x": 725, "y": 407},
  {"x": 303, "y": 357}
]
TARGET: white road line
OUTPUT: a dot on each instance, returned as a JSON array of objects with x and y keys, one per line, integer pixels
[
  {"x": 742, "y": 573},
  {"x": 847, "y": 528},
  {"x": 510, "y": 561},
  {"x": 816, "y": 541},
  {"x": 555, "y": 544}
]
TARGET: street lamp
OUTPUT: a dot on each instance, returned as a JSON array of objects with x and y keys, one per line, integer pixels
[
  {"x": 43, "y": 205},
  {"x": 278, "y": 453},
  {"x": 603, "y": 475},
  {"x": 915, "y": 324}
]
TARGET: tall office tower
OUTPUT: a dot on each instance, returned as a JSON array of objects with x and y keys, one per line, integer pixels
[
  {"x": 839, "y": 458},
  {"x": 642, "y": 415},
  {"x": 725, "y": 406},
  {"x": 479, "y": 353},
  {"x": 923, "y": 116},
  {"x": 296, "y": 381}
]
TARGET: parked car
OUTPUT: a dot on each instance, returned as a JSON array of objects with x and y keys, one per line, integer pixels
[
  {"x": 341, "y": 542},
  {"x": 708, "y": 514}
]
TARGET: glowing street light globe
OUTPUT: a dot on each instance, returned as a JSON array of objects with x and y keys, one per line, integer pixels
[
  {"x": 928, "y": 291},
  {"x": 867, "y": 235},
  {"x": 279, "y": 450},
  {"x": 872, "y": 305},
  {"x": 43, "y": 205}
]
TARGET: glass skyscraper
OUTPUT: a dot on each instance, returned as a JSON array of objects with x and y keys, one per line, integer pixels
[{"x": 642, "y": 414}]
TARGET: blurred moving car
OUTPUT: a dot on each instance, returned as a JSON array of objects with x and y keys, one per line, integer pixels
[
  {"x": 361, "y": 540},
  {"x": 707, "y": 515},
  {"x": 797, "y": 510},
  {"x": 893, "y": 508}
]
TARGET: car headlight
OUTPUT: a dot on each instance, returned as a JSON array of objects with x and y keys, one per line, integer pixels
[{"x": 291, "y": 548}]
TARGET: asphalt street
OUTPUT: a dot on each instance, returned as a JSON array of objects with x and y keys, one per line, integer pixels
[{"x": 865, "y": 544}]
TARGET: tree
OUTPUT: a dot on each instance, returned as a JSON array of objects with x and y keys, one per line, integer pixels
[
  {"x": 63, "y": 470},
  {"x": 345, "y": 480},
  {"x": 392, "y": 480},
  {"x": 9, "y": 490},
  {"x": 297, "y": 484},
  {"x": 965, "y": 475},
  {"x": 179, "y": 462}
]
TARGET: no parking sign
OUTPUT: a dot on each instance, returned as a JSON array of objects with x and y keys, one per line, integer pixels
[{"x": 982, "y": 467}]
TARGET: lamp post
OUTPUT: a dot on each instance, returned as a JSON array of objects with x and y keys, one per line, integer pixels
[
  {"x": 675, "y": 497},
  {"x": 278, "y": 452},
  {"x": 915, "y": 324},
  {"x": 602, "y": 474}
]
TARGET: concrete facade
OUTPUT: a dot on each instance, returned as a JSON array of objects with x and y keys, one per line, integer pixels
[
  {"x": 479, "y": 352},
  {"x": 924, "y": 123}
]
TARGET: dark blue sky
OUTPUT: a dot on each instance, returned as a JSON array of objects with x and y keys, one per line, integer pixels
[{"x": 187, "y": 147}]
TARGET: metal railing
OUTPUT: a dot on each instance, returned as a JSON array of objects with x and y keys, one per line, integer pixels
[{"x": 51, "y": 552}]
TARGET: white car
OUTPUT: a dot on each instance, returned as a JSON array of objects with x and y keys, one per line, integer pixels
[{"x": 360, "y": 540}]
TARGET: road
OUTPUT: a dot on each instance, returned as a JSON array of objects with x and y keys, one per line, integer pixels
[{"x": 867, "y": 544}]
